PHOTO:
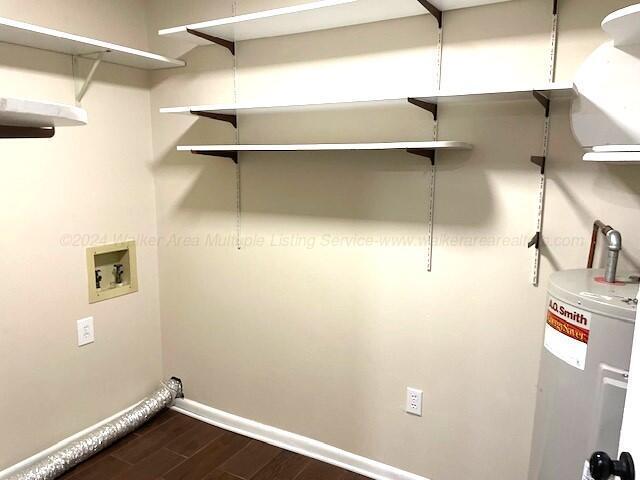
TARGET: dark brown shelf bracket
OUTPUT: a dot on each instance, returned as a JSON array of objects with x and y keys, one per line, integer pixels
[
  {"x": 218, "y": 41},
  {"x": 217, "y": 153},
  {"x": 232, "y": 119},
  {"x": 428, "y": 106},
  {"x": 437, "y": 14},
  {"x": 543, "y": 100},
  {"x": 535, "y": 241},
  {"x": 10, "y": 131},
  {"x": 430, "y": 153},
  {"x": 541, "y": 162}
]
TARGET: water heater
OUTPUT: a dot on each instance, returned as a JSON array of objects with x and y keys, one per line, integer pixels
[{"x": 582, "y": 386}]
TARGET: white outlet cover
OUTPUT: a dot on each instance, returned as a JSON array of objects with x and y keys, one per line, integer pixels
[
  {"x": 414, "y": 402},
  {"x": 86, "y": 332}
]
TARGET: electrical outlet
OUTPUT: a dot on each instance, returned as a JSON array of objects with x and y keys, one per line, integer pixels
[
  {"x": 414, "y": 402},
  {"x": 86, "y": 333}
]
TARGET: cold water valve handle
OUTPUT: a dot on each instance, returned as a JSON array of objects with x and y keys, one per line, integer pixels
[{"x": 602, "y": 467}]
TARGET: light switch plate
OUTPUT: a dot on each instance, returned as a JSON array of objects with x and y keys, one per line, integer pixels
[{"x": 86, "y": 333}]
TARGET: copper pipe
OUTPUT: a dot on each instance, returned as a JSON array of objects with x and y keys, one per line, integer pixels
[{"x": 594, "y": 242}]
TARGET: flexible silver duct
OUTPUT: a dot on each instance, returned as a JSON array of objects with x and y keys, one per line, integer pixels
[{"x": 85, "y": 447}]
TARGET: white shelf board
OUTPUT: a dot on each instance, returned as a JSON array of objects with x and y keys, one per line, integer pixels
[
  {"x": 624, "y": 26},
  {"x": 311, "y": 147},
  {"x": 613, "y": 157},
  {"x": 616, "y": 148},
  {"x": 553, "y": 91},
  {"x": 20, "y": 33},
  {"x": 614, "y": 154},
  {"x": 309, "y": 17},
  {"x": 30, "y": 113}
]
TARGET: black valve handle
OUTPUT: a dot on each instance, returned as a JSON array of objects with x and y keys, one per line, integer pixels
[{"x": 602, "y": 467}]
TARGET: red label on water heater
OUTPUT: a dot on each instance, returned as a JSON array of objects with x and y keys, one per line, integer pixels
[{"x": 567, "y": 333}]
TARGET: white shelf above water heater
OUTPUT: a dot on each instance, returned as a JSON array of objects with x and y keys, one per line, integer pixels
[
  {"x": 21, "y": 118},
  {"x": 20, "y": 33},
  {"x": 607, "y": 109},
  {"x": 309, "y": 17},
  {"x": 553, "y": 91},
  {"x": 624, "y": 26},
  {"x": 620, "y": 154}
]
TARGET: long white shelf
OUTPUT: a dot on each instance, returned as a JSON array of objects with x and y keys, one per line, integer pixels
[
  {"x": 624, "y": 26},
  {"x": 551, "y": 91},
  {"x": 20, "y": 33},
  {"x": 309, "y": 17},
  {"x": 18, "y": 112},
  {"x": 313, "y": 147},
  {"x": 614, "y": 154}
]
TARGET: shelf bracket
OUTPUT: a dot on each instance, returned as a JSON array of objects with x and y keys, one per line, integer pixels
[
  {"x": 428, "y": 106},
  {"x": 436, "y": 12},
  {"x": 217, "y": 153},
  {"x": 429, "y": 153},
  {"x": 541, "y": 162},
  {"x": 543, "y": 100},
  {"x": 535, "y": 241},
  {"x": 232, "y": 119},
  {"x": 12, "y": 131},
  {"x": 92, "y": 71},
  {"x": 231, "y": 46}
]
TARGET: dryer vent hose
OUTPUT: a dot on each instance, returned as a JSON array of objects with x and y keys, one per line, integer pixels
[{"x": 87, "y": 446}]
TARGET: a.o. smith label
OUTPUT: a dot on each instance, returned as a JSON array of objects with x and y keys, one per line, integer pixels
[{"x": 567, "y": 332}]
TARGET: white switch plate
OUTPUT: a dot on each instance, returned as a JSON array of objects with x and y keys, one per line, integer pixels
[
  {"x": 86, "y": 333},
  {"x": 414, "y": 402}
]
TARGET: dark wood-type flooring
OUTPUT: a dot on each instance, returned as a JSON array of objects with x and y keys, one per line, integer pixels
[{"x": 176, "y": 447}]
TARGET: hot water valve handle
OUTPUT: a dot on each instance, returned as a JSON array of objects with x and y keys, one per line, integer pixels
[{"x": 602, "y": 467}]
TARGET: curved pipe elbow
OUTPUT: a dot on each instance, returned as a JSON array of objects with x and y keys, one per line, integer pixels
[{"x": 615, "y": 240}]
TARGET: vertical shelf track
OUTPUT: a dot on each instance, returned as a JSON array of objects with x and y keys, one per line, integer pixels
[
  {"x": 232, "y": 119},
  {"x": 438, "y": 15},
  {"x": 237, "y": 160},
  {"x": 541, "y": 161},
  {"x": 433, "y": 108}
]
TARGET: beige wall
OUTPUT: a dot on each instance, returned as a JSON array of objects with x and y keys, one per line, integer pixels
[
  {"x": 94, "y": 181},
  {"x": 319, "y": 340},
  {"x": 322, "y": 341}
]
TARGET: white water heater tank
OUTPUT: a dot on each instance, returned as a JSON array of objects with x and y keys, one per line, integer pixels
[{"x": 583, "y": 372}]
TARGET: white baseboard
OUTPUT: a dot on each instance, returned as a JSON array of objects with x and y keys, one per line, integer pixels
[
  {"x": 38, "y": 457},
  {"x": 293, "y": 442}
]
